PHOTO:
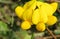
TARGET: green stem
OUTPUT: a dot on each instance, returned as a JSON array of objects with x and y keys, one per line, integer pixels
[{"x": 32, "y": 37}]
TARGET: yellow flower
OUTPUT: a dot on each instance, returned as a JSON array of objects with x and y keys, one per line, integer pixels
[
  {"x": 25, "y": 25},
  {"x": 36, "y": 17},
  {"x": 41, "y": 27},
  {"x": 54, "y": 6},
  {"x": 30, "y": 5},
  {"x": 19, "y": 11},
  {"x": 43, "y": 15},
  {"x": 27, "y": 15},
  {"x": 47, "y": 8},
  {"x": 29, "y": 9},
  {"x": 39, "y": 4},
  {"x": 51, "y": 20}
]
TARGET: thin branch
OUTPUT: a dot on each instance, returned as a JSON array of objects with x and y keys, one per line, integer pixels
[
  {"x": 51, "y": 33},
  {"x": 49, "y": 37}
]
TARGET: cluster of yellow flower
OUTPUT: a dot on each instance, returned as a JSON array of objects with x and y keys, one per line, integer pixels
[{"x": 38, "y": 13}]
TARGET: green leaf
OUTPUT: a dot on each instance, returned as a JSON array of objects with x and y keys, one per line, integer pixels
[
  {"x": 3, "y": 26},
  {"x": 23, "y": 33},
  {"x": 57, "y": 31},
  {"x": 27, "y": 37}
]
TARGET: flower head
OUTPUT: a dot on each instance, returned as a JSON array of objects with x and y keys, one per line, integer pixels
[{"x": 38, "y": 13}]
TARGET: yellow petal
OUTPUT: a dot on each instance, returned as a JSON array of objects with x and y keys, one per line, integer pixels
[
  {"x": 39, "y": 4},
  {"x": 25, "y": 25},
  {"x": 54, "y": 6},
  {"x": 19, "y": 11},
  {"x": 47, "y": 9},
  {"x": 36, "y": 17},
  {"x": 33, "y": 6},
  {"x": 41, "y": 27},
  {"x": 27, "y": 15},
  {"x": 30, "y": 4},
  {"x": 51, "y": 20},
  {"x": 43, "y": 15}
]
